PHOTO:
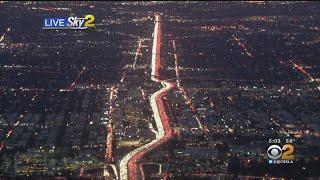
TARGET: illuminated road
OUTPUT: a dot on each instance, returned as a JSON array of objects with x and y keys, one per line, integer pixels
[
  {"x": 176, "y": 64},
  {"x": 302, "y": 70},
  {"x": 183, "y": 90},
  {"x": 242, "y": 46},
  {"x": 112, "y": 99},
  {"x": 4, "y": 34},
  {"x": 137, "y": 54},
  {"x": 73, "y": 84},
  {"x": 10, "y": 131},
  {"x": 128, "y": 165}
]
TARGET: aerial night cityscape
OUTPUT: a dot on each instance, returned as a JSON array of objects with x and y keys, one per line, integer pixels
[{"x": 160, "y": 90}]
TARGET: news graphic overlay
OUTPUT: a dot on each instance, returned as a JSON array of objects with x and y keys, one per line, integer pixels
[
  {"x": 280, "y": 153},
  {"x": 72, "y": 22}
]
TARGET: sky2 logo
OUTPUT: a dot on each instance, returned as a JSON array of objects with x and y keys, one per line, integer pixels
[{"x": 71, "y": 22}]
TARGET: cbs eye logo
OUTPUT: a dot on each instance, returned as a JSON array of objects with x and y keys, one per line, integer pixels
[{"x": 276, "y": 152}]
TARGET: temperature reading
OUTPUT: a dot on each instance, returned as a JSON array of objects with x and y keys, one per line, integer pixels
[{"x": 289, "y": 141}]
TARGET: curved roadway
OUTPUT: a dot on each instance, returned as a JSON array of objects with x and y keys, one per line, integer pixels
[{"x": 128, "y": 165}]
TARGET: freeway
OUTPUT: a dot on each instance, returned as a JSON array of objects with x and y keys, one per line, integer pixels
[{"x": 128, "y": 165}]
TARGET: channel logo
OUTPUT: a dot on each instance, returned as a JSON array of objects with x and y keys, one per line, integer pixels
[
  {"x": 278, "y": 155},
  {"x": 69, "y": 22}
]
